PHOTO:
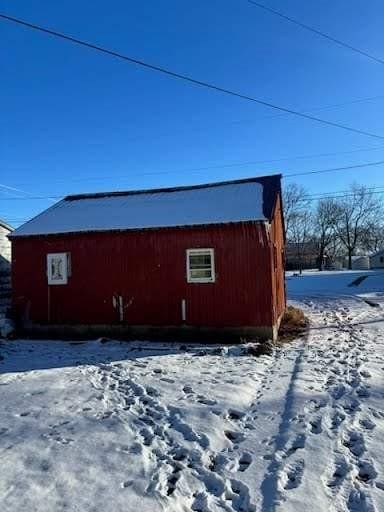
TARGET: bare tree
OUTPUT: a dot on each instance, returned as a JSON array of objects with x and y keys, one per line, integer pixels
[
  {"x": 324, "y": 228},
  {"x": 301, "y": 234},
  {"x": 295, "y": 202},
  {"x": 353, "y": 214},
  {"x": 372, "y": 238}
]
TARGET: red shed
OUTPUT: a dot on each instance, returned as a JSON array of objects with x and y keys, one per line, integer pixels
[{"x": 205, "y": 259}]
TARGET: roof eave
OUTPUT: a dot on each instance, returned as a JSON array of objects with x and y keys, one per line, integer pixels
[{"x": 122, "y": 230}]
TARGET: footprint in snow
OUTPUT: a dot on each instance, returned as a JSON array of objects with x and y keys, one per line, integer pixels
[
  {"x": 367, "y": 423},
  {"x": 337, "y": 419},
  {"x": 147, "y": 436},
  {"x": 240, "y": 497},
  {"x": 234, "y": 414},
  {"x": 338, "y": 391},
  {"x": 217, "y": 463},
  {"x": 292, "y": 475},
  {"x": 245, "y": 461},
  {"x": 147, "y": 420},
  {"x": 377, "y": 414},
  {"x": 297, "y": 444},
  {"x": 179, "y": 454},
  {"x": 362, "y": 392},
  {"x": 206, "y": 401},
  {"x": 315, "y": 405},
  {"x": 151, "y": 391},
  {"x": 315, "y": 425},
  {"x": 358, "y": 501},
  {"x": 354, "y": 441},
  {"x": 367, "y": 471},
  {"x": 268, "y": 441},
  {"x": 172, "y": 480},
  {"x": 126, "y": 484},
  {"x": 200, "y": 503},
  {"x": 341, "y": 470},
  {"x": 351, "y": 405},
  {"x": 233, "y": 436},
  {"x": 165, "y": 379}
]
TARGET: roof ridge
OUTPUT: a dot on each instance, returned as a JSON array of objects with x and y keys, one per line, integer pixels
[{"x": 97, "y": 195}]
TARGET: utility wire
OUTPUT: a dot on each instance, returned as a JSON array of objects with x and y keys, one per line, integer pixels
[
  {"x": 186, "y": 78},
  {"x": 316, "y": 31},
  {"x": 257, "y": 119},
  {"x": 315, "y": 196},
  {"x": 335, "y": 169},
  {"x": 324, "y": 195},
  {"x": 307, "y": 199},
  {"x": 290, "y": 175},
  {"x": 343, "y": 196},
  {"x": 198, "y": 170}
]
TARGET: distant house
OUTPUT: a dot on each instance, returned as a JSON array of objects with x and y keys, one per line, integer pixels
[
  {"x": 377, "y": 259},
  {"x": 358, "y": 263},
  {"x": 206, "y": 259},
  {"x": 5, "y": 246}
]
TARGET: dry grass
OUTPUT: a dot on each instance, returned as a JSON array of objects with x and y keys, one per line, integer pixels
[{"x": 293, "y": 324}]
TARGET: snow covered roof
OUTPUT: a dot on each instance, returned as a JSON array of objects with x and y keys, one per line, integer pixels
[
  {"x": 215, "y": 203},
  {"x": 359, "y": 257},
  {"x": 378, "y": 253},
  {"x": 3, "y": 224}
]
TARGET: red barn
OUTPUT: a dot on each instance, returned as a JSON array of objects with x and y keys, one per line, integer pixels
[{"x": 205, "y": 259}]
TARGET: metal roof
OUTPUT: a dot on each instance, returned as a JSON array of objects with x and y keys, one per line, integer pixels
[{"x": 245, "y": 200}]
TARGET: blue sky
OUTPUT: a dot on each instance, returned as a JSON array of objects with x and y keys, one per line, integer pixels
[{"x": 73, "y": 120}]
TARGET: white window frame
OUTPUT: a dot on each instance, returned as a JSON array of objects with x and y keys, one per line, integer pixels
[
  {"x": 65, "y": 268},
  {"x": 204, "y": 251}
]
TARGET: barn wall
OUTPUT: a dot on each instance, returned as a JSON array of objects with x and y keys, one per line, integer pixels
[
  {"x": 148, "y": 268},
  {"x": 278, "y": 259}
]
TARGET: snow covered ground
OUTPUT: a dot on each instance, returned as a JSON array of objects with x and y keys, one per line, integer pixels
[{"x": 125, "y": 426}]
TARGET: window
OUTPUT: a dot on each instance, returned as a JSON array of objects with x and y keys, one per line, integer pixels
[
  {"x": 58, "y": 268},
  {"x": 200, "y": 266},
  {"x": 381, "y": 259}
]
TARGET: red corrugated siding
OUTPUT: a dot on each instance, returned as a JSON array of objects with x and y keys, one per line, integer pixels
[
  {"x": 148, "y": 268},
  {"x": 277, "y": 261}
]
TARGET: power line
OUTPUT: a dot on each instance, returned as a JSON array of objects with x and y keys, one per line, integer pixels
[
  {"x": 186, "y": 78},
  {"x": 30, "y": 198},
  {"x": 262, "y": 118},
  {"x": 343, "y": 196},
  {"x": 308, "y": 199},
  {"x": 198, "y": 170},
  {"x": 290, "y": 175},
  {"x": 324, "y": 195},
  {"x": 317, "y": 109},
  {"x": 316, "y": 31},
  {"x": 335, "y": 169}
]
